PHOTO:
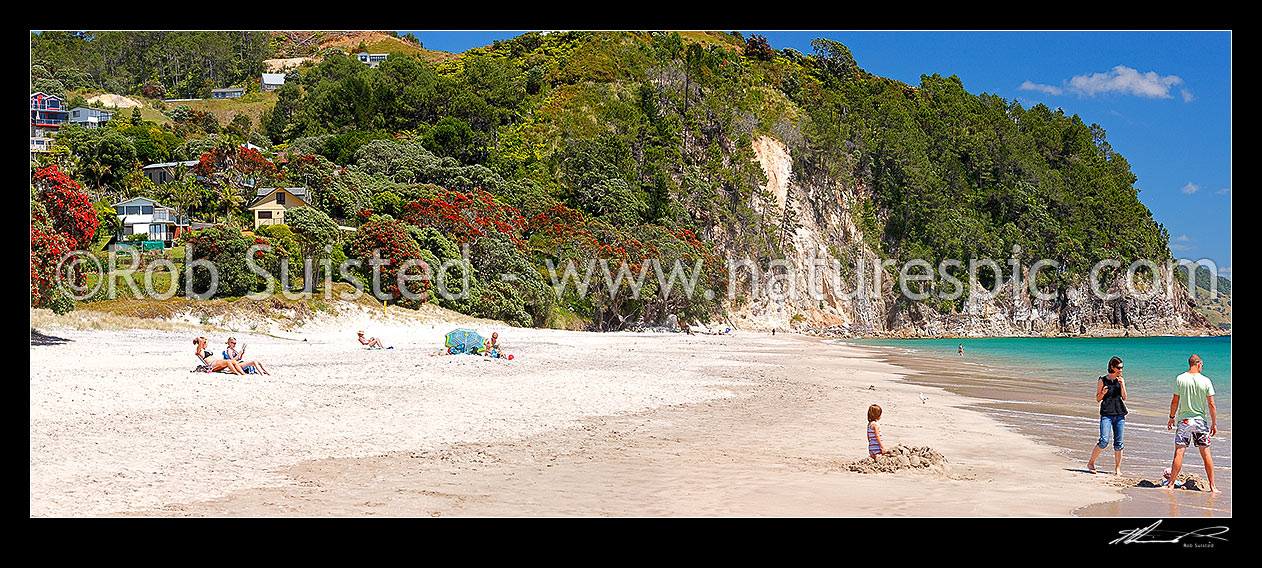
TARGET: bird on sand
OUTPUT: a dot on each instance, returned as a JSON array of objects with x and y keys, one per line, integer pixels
[{"x": 923, "y": 399}]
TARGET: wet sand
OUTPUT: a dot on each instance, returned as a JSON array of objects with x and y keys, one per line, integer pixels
[{"x": 1060, "y": 416}]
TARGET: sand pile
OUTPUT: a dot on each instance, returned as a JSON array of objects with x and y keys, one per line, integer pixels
[
  {"x": 117, "y": 101},
  {"x": 899, "y": 457},
  {"x": 1189, "y": 481}
]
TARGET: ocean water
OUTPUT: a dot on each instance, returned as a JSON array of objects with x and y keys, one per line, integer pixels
[{"x": 1045, "y": 388}]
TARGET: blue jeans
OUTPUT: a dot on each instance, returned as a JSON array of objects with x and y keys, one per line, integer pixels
[{"x": 1115, "y": 424}]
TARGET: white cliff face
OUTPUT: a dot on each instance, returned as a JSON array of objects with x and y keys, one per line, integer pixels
[{"x": 827, "y": 236}]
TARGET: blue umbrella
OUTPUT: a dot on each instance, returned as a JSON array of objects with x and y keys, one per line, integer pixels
[{"x": 465, "y": 341}]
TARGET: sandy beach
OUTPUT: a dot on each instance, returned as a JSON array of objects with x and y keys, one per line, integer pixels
[{"x": 579, "y": 424}]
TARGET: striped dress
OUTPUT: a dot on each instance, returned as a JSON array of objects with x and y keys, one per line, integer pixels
[{"x": 874, "y": 445}]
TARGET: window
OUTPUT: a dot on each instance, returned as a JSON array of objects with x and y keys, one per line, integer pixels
[
  {"x": 280, "y": 198},
  {"x": 121, "y": 210},
  {"x": 133, "y": 209},
  {"x": 265, "y": 214},
  {"x": 146, "y": 210}
]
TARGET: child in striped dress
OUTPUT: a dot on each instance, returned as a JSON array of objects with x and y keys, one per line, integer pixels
[{"x": 875, "y": 446}]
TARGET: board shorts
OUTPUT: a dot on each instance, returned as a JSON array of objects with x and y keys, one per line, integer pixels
[{"x": 1192, "y": 431}]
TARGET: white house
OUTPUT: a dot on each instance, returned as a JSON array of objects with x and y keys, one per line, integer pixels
[
  {"x": 272, "y": 81},
  {"x": 143, "y": 215},
  {"x": 372, "y": 59},
  {"x": 89, "y": 117}
]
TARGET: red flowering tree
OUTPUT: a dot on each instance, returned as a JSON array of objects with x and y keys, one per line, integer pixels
[
  {"x": 232, "y": 170},
  {"x": 69, "y": 210},
  {"x": 62, "y": 220},
  {"x": 389, "y": 239},
  {"x": 47, "y": 249},
  {"x": 645, "y": 256},
  {"x": 466, "y": 216}
]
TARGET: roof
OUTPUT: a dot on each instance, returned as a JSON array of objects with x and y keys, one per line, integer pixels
[
  {"x": 125, "y": 201},
  {"x": 295, "y": 191},
  {"x": 224, "y": 90},
  {"x": 274, "y": 78},
  {"x": 189, "y": 163},
  {"x": 109, "y": 112},
  {"x": 261, "y": 193}
]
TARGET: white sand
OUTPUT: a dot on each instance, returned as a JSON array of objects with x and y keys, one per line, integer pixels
[{"x": 579, "y": 424}]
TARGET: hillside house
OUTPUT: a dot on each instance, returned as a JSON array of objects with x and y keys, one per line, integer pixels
[
  {"x": 143, "y": 215},
  {"x": 272, "y": 81},
  {"x": 371, "y": 59},
  {"x": 229, "y": 93},
  {"x": 164, "y": 172},
  {"x": 89, "y": 117},
  {"x": 48, "y": 113},
  {"x": 270, "y": 204}
]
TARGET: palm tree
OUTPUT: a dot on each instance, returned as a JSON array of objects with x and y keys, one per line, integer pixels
[
  {"x": 96, "y": 172},
  {"x": 229, "y": 199}
]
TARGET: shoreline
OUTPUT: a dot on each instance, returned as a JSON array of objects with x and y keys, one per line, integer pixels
[
  {"x": 617, "y": 424},
  {"x": 1060, "y": 413}
]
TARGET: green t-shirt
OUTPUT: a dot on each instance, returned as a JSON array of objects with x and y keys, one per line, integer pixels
[{"x": 1193, "y": 390}]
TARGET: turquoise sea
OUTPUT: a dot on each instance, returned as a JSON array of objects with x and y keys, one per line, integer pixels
[{"x": 1045, "y": 388}]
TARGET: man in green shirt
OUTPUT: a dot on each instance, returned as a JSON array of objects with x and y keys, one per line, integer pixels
[{"x": 1193, "y": 400}]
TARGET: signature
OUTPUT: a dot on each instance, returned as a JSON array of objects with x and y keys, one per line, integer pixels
[{"x": 1149, "y": 534}]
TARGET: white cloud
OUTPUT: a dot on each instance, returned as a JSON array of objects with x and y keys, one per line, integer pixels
[
  {"x": 1049, "y": 89},
  {"x": 1125, "y": 80},
  {"x": 1180, "y": 239},
  {"x": 1191, "y": 188},
  {"x": 1181, "y": 248},
  {"x": 1120, "y": 80},
  {"x": 1223, "y": 191}
]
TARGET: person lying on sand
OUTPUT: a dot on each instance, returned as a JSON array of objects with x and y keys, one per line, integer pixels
[
  {"x": 371, "y": 342},
  {"x": 238, "y": 356},
  {"x": 213, "y": 366},
  {"x": 441, "y": 352}
]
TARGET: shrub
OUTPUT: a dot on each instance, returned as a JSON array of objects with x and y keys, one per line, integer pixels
[{"x": 226, "y": 248}]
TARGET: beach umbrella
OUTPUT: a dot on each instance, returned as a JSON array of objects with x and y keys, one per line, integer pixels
[{"x": 465, "y": 341}]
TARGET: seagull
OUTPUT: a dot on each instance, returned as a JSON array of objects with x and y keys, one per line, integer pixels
[{"x": 923, "y": 399}]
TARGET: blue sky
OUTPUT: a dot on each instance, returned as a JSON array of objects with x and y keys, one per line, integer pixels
[{"x": 1164, "y": 99}]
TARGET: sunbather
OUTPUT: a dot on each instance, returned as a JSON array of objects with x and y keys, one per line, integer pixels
[
  {"x": 213, "y": 365},
  {"x": 238, "y": 356},
  {"x": 492, "y": 346},
  {"x": 371, "y": 342}
]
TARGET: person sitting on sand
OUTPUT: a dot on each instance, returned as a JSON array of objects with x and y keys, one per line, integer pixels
[
  {"x": 492, "y": 346},
  {"x": 249, "y": 366},
  {"x": 371, "y": 342},
  {"x": 213, "y": 366},
  {"x": 875, "y": 445}
]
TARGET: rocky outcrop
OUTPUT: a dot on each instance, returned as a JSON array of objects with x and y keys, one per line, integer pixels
[{"x": 813, "y": 288}]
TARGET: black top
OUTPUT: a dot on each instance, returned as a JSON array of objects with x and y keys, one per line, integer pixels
[{"x": 1111, "y": 404}]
